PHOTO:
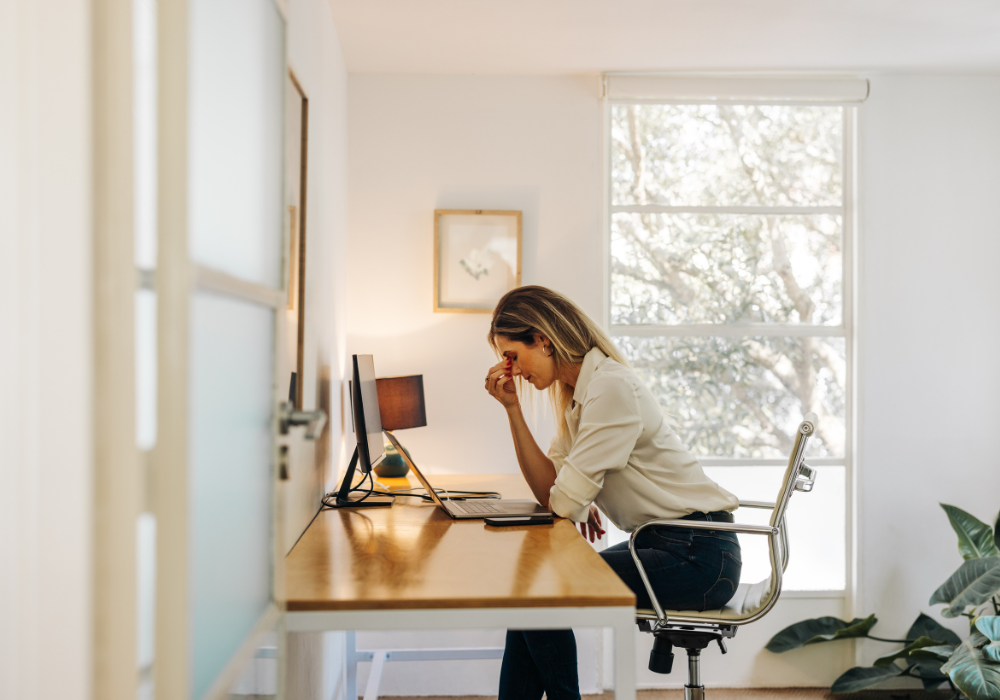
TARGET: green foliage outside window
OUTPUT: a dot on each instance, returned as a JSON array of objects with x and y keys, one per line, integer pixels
[{"x": 732, "y": 395}]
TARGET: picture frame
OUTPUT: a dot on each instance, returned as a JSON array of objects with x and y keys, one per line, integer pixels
[{"x": 477, "y": 258}]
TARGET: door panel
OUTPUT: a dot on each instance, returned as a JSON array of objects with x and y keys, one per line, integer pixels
[
  {"x": 237, "y": 83},
  {"x": 220, "y": 300},
  {"x": 231, "y": 477}
]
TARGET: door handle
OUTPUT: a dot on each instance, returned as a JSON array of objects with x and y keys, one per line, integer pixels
[{"x": 289, "y": 417}]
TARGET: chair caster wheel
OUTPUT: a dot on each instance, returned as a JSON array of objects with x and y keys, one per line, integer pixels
[{"x": 661, "y": 658}]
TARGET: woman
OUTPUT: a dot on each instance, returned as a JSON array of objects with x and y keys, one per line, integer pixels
[{"x": 613, "y": 450}]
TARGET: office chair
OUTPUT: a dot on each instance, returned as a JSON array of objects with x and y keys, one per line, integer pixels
[{"x": 693, "y": 630}]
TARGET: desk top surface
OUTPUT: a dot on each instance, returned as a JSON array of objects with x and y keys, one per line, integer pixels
[{"x": 413, "y": 556}]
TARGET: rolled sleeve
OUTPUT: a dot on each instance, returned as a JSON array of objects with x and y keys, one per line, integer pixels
[
  {"x": 558, "y": 452},
  {"x": 572, "y": 494},
  {"x": 610, "y": 425}
]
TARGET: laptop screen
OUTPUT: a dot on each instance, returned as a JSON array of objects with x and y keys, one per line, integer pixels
[{"x": 402, "y": 453}]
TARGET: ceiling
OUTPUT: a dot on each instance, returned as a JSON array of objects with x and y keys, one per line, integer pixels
[{"x": 592, "y": 36}]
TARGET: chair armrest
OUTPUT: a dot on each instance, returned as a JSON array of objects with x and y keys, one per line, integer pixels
[
  {"x": 709, "y": 525},
  {"x": 806, "y": 479},
  {"x": 757, "y": 504},
  {"x": 727, "y": 527},
  {"x": 694, "y": 525}
]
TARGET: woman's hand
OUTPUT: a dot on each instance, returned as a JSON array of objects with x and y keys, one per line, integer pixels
[
  {"x": 593, "y": 524},
  {"x": 500, "y": 384}
]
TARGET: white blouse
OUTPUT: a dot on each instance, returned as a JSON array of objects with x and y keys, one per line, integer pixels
[{"x": 621, "y": 454}]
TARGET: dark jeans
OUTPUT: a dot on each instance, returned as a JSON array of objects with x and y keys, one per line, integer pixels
[{"x": 688, "y": 569}]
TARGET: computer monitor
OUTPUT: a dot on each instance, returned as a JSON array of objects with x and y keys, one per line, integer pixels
[
  {"x": 367, "y": 419},
  {"x": 368, "y": 432}
]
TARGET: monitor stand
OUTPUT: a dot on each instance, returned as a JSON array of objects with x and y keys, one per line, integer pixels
[{"x": 346, "y": 499}]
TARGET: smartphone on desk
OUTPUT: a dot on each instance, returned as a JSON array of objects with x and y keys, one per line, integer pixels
[{"x": 519, "y": 520}]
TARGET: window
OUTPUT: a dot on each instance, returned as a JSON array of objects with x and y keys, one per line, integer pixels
[{"x": 729, "y": 227}]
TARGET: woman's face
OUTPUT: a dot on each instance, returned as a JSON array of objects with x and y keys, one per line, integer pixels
[{"x": 530, "y": 361}]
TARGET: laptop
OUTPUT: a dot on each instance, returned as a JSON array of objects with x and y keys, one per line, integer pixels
[{"x": 477, "y": 508}]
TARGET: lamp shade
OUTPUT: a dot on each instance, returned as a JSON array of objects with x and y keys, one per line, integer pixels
[{"x": 401, "y": 402}]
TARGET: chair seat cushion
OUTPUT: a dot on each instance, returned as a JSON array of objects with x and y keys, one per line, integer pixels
[{"x": 749, "y": 599}]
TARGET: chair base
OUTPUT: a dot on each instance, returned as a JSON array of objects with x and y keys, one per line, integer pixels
[
  {"x": 693, "y": 641},
  {"x": 661, "y": 658},
  {"x": 694, "y": 692}
]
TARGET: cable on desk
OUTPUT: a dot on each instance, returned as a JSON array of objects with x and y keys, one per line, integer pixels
[
  {"x": 450, "y": 495},
  {"x": 330, "y": 499}
]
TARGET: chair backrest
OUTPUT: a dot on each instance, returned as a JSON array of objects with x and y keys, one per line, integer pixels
[
  {"x": 795, "y": 467},
  {"x": 753, "y": 601},
  {"x": 756, "y": 600}
]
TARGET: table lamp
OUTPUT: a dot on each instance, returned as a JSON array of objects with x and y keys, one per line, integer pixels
[{"x": 401, "y": 406}]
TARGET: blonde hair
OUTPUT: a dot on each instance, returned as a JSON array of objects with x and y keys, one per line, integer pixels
[{"x": 525, "y": 312}]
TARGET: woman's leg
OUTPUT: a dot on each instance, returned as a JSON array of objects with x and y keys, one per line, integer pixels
[
  {"x": 658, "y": 565},
  {"x": 688, "y": 570},
  {"x": 537, "y": 661},
  {"x": 519, "y": 676}
]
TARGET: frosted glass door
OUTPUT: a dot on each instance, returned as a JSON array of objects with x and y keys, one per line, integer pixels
[
  {"x": 235, "y": 237},
  {"x": 232, "y": 398},
  {"x": 236, "y": 148}
]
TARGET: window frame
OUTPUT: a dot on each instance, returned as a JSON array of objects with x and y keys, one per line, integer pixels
[{"x": 846, "y": 329}]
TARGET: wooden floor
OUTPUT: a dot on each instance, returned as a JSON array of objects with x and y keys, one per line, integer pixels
[
  {"x": 740, "y": 694},
  {"x": 710, "y": 693}
]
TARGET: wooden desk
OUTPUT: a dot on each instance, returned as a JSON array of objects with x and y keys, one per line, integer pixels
[{"x": 412, "y": 567}]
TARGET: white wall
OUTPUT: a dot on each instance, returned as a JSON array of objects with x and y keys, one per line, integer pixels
[
  {"x": 929, "y": 333},
  {"x": 45, "y": 350},
  {"x": 425, "y": 143},
  {"x": 315, "y": 662},
  {"x": 532, "y": 143},
  {"x": 315, "y": 58}
]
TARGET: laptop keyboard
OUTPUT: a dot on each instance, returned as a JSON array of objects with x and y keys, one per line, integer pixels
[{"x": 473, "y": 507}]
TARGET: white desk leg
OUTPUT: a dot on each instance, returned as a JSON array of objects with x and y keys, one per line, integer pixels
[
  {"x": 375, "y": 677},
  {"x": 625, "y": 658},
  {"x": 351, "y": 662}
]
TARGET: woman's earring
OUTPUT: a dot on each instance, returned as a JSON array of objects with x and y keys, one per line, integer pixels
[{"x": 549, "y": 353}]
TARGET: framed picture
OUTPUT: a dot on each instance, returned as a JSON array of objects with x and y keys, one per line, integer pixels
[{"x": 477, "y": 258}]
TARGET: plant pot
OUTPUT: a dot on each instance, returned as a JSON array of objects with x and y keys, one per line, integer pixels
[{"x": 393, "y": 466}]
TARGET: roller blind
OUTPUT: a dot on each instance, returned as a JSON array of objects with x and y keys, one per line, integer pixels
[{"x": 735, "y": 88}]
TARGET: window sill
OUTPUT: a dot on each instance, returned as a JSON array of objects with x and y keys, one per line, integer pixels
[{"x": 813, "y": 594}]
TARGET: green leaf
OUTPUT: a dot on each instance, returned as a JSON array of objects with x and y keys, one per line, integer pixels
[
  {"x": 905, "y": 651},
  {"x": 820, "y": 629},
  {"x": 861, "y": 677},
  {"x": 990, "y": 627},
  {"x": 930, "y": 674},
  {"x": 939, "y": 653},
  {"x": 975, "y": 538},
  {"x": 973, "y": 584},
  {"x": 858, "y": 628},
  {"x": 996, "y": 532},
  {"x": 973, "y": 672},
  {"x": 925, "y": 626},
  {"x": 961, "y": 651}
]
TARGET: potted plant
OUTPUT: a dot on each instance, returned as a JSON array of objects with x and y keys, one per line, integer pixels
[{"x": 930, "y": 652}]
